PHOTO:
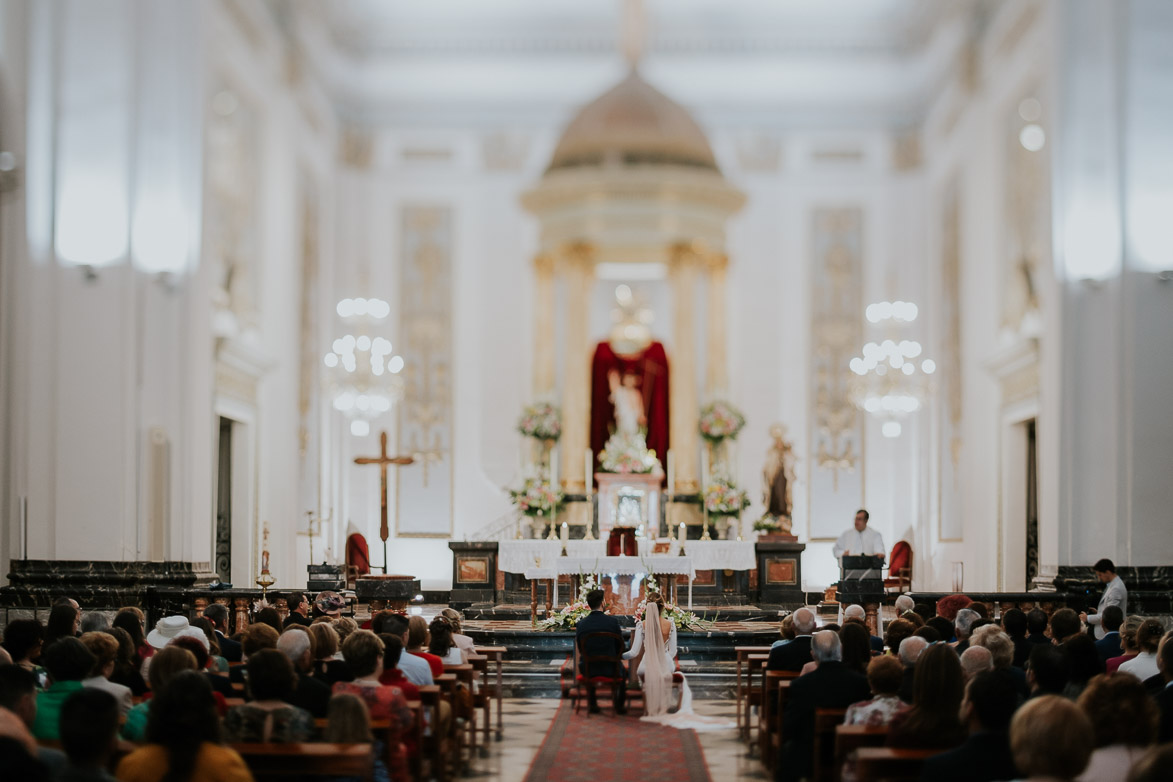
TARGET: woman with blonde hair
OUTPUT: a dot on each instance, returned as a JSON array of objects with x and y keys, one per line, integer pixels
[
  {"x": 465, "y": 643},
  {"x": 327, "y": 667},
  {"x": 1051, "y": 739},
  {"x": 1124, "y": 719},
  {"x": 1127, "y": 643},
  {"x": 1148, "y": 638},
  {"x": 417, "y": 642}
]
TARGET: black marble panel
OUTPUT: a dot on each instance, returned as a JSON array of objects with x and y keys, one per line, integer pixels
[
  {"x": 780, "y": 574},
  {"x": 368, "y": 589},
  {"x": 474, "y": 572}
]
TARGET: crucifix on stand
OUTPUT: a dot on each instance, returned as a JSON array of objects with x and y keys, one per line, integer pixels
[{"x": 383, "y": 460}]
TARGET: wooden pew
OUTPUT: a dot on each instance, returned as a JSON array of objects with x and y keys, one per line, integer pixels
[
  {"x": 891, "y": 764},
  {"x": 826, "y": 720},
  {"x": 454, "y": 748},
  {"x": 496, "y": 655},
  {"x": 482, "y": 698},
  {"x": 743, "y": 653},
  {"x": 282, "y": 761},
  {"x": 753, "y": 693},
  {"x": 465, "y": 675},
  {"x": 775, "y": 691},
  {"x": 849, "y": 738}
]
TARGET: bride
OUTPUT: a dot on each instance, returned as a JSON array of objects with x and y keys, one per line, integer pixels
[{"x": 658, "y": 635}]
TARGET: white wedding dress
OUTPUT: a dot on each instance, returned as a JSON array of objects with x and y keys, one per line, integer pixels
[{"x": 656, "y": 670}]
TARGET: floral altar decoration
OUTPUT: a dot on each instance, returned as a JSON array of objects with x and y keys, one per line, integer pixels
[
  {"x": 541, "y": 421},
  {"x": 722, "y": 498},
  {"x": 568, "y": 617},
  {"x": 628, "y": 453},
  {"x": 536, "y": 497},
  {"x": 720, "y": 421},
  {"x": 682, "y": 618}
]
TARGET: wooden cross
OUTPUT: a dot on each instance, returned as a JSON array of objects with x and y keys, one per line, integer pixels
[{"x": 383, "y": 460}]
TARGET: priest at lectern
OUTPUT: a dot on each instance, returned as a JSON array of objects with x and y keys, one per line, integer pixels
[{"x": 860, "y": 540}]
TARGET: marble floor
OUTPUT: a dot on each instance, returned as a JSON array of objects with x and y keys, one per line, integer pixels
[{"x": 527, "y": 720}]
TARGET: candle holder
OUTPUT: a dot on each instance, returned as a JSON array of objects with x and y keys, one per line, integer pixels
[
  {"x": 590, "y": 515},
  {"x": 264, "y": 581},
  {"x": 552, "y": 536},
  {"x": 705, "y": 534}
]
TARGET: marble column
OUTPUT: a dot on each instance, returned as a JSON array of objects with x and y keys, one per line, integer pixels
[
  {"x": 578, "y": 272},
  {"x": 683, "y": 408},
  {"x": 716, "y": 364},
  {"x": 544, "y": 330}
]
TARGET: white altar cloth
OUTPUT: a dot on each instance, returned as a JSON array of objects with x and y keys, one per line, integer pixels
[
  {"x": 660, "y": 564},
  {"x": 516, "y": 556},
  {"x": 721, "y": 554}
]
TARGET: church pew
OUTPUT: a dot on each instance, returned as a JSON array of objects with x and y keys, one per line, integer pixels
[
  {"x": 775, "y": 693},
  {"x": 849, "y": 738},
  {"x": 743, "y": 653},
  {"x": 465, "y": 676},
  {"x": 482, "y": 696},
  {"x": 891, "y": 764},
  {"x": 753, "y": 693},
  {"x": 496, "y": 656},
  {"x": 283, "y": 761},
  {"x": 435, "y": 747},
  {"x": 826, "y": 720},
  {"x": 447, "y": 683}
]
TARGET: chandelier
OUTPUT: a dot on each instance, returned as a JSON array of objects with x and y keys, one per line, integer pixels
[
  {"x": 892, "y": 379},
  {"x": 361, "y": 367}
]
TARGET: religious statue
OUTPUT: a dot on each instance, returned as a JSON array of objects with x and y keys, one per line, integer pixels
[
  {"x": 628, "y": 402},
  {"x": 778, "y": 478}
]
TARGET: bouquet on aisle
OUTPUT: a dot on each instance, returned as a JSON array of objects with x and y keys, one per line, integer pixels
[
  {"x": 569, "y": 616},
  {"x": 720, "y": 421},
  {"x": 628, "y": 453},
  {"x": 536, "y": 497},
  {"x": 682, "y": 618},
  {"x": 541, "y": 420},
  {"x": 723, "y": 498}
]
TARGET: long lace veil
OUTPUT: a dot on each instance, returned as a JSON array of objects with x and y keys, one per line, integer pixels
[{"x": 658, "y": 670}]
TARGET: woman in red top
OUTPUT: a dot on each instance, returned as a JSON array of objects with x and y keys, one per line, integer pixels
[
  {"x": 417, "y": 640},
  {"x": 392, "y": 676},
  {"x": 363, "y": 651}
]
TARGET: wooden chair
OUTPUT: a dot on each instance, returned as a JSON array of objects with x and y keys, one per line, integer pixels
[
  {"x": 753, "y": 693},
  {"x": 496, "y": 657},
  {"x": 319, "y": 759},
  {"x": 899, "y": 568},
  {"x": 775, "y": 693},
  {"x": 849, "y": 738},
  {"x": 891, "y": 764},
  {"x": 826, "y": 720},
  {"x": 743, "y": 653},
  {"x": 588, "y": 685}
]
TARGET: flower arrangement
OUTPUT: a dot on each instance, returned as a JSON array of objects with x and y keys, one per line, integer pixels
[
  {"x": 627, "y": 453},
  {"x": 720, "y": 421},
  {"x": 536, "y": 497},
  {"x": 541, "y": 420},
  {"x": 723, "y": 498},
  {"x": 682, "y": 618},
  {"x": 767, "y": 524},
  {"x": 569, "y": 616}
]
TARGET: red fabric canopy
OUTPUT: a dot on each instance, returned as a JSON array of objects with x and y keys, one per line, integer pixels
[{"x": 651, "y": 367}]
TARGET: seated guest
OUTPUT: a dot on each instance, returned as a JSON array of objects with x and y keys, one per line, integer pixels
[
  {"x": 193, "y": 641},
  {"x": 1014, "y": 624},
  {"x": 18, "y": 695},
  {"x": 23, "y": 641},
  {"x": 93, "y": 622},
  {"x": 786, "y": 630},
  {"x": 963, "y": 625},
  {"x": 463, "y": 641},
  {"x": 297, "y": 645},
  {"x": 299, "y": 610},
  {"x": 856, "y": 613},
  {"x": 857, "y": 648},
  {"x": 105, "y": 650},
  {"x": 916, "y": 619},
  {"x": 1002, "y": 651},
  {"x": 415, "y": 668},
  {"x": 392, "y": 675},
  {"x": 64, "y": 622},
  {"x": 1036, "y": 627},
  {"x": 127, "y": 664},
  {"x": 1083, "y": 662},
  {"x": 936, "y": 701},
  {"x": 217, "y": 614},
  {"x": 929, "y": 634},
  {"x": 344, "y": 626},
  {"x": 167, "y": 664},
  {"x": 183, "y": 735},
  {"x": 328, "y": 604},
  {"x": 1047, "y": 671},
  {"x": 1156, "y": 766},
  {"x": 1124, "y": 721},
  {"x": 349, "y": 722},
  {"x": 363, "y": 651},
  {"x": 67, "y": 662},
  {"x": 831, "y": 686},
  {"x": 884, "y": 676},
  {"x": 1165, "y": 695},
  {"x": 327, "y": 667},
  {"x": 895, "y": 632},
  {"x": 1065, "y": 625},
  {"x": 1109, "y": 646},
  {"x": 910, "y": 651},
  {"x": 904, "y": 603},
  {"x": 441, "y": 643},
  {"x": 792, "y": 656},
  {"x": 975, "y": 660},
  {"x": 89, "y": 735},
  {"x": 990, "y": 700},
  {"x": 269, "y": 616},
  {"x": 417, "y": 644},
  {"x": 269, "y": 717},
  {"x": 132, "y": 620},
  {"x": 253, "y": 640},
  {"x": 1148, "y": 638},
  {"x": 1051, "y": 739},
  {"x": 1127, "y": 644},
  {"x": 943, "y": 627},
  {"x": 218, "y": 663}
]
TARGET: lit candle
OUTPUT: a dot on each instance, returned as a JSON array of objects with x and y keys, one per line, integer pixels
[
  {"x": 565, "y": 532},
  {"x": 671, "y": 474},
  {"x": 589, "y": 471},
  {"x": 265, "y": 548},
  {"x": 683, "y": 536}
]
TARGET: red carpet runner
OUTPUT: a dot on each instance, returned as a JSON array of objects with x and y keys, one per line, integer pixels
[{"x": 603, "y": 748}]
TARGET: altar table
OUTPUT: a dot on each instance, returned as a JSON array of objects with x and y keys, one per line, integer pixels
[{"x": 659, "y": 564}]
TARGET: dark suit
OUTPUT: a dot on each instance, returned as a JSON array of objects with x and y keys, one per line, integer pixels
[
  {"x": 831, "y": 686},
  {"x": 311, "y": 695},
  {"x": 1165, "y": 702},
  {"x": 790, "y": 656},
  {"x": 1109, "y": 646},
  {"x": 598, "y": 622},
  {"x": 984, "y": 757},
  {"x": 1037, "y": 638},
  {"x": 221, "y": 684},
  {"x": 877, "y": 644},
  {"x": 229, "y": 649},
  {"x": 1022, "y": 649},
  {"x": 906, "y": 681},
  {"x": 295, "y": 618}
]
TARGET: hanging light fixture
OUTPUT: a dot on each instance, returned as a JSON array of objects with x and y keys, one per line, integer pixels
[
  {"x": 362, "y": 368},
  {"x": 891, "y": 377}
]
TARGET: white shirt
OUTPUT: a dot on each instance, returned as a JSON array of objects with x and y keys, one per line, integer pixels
[
  {"x": 416, "y": 669},
  {"x": 867, "y": 542},
  {"x": 1115, "y": 594},
  {"x": 1143, "y": 666}
]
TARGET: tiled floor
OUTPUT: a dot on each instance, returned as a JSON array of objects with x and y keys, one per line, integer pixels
[{"x": 526, "y": 723}]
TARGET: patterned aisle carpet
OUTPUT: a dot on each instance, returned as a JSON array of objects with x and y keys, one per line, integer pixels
[{"x": 603, "y": 748}]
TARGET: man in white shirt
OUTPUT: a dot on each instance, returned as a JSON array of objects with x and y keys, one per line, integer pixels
[
  {"x": 859, "y": 540},
  {"x": 1115, "y": 594}
]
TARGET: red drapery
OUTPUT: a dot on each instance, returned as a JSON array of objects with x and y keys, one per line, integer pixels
[
  {"x": 651, "y": 367},
  {"x": 357, "y": 554}
]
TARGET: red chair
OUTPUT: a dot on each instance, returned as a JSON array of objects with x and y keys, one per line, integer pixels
[
  {"x": 899, "y": 568},
  {"x": 587, "y": 685}
]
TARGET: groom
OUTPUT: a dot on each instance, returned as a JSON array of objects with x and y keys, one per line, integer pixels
[{"x": 598, "y": 622}]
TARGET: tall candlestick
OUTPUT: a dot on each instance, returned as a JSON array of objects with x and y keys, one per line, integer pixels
[
  {"x": 671, "y": 474},
  {"x": 565, "y": 532},
  {"x": 265, "y": 548},
  {"x": 554, "y": 469},
  {"x": 704, "y": 470},
  {"x": 589, "y": 472}
]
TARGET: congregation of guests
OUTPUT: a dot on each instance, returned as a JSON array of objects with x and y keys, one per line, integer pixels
[
  {"x": 90, "y": 686},
  {"x": 1025, "y": 696}
]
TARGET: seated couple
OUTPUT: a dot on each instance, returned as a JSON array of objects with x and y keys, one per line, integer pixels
[{"x": 655, "y": 637}]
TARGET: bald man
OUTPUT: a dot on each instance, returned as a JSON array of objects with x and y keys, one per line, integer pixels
[{"x": 793, "y": 655}]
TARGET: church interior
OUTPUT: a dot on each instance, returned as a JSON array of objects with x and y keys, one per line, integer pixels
[{"x": 445, "y": 317}]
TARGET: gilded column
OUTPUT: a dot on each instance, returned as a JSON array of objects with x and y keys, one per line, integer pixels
[
  {"x": 544, "y": 328},
  {"x": 578, "y": 273},
  {"x": 716, "y": 368},
  {"x": 683, "y": 407}
]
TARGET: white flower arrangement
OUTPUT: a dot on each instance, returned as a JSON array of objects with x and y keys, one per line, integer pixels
[
  {"x": 723, "y": 498},
  {"x": 682, "y": 618},
  {"x": 720, "y": 421},
  {"x": 569, "y": 617},
  {"x": 627, "y": 453},
  {"x": 541, "y": 420},
  {"x": 536, "y": 497}
]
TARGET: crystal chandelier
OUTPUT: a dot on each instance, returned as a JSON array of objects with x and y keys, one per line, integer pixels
[
  {"x": 892, "y": 379},
  {"x": 362, "y": 370}
]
